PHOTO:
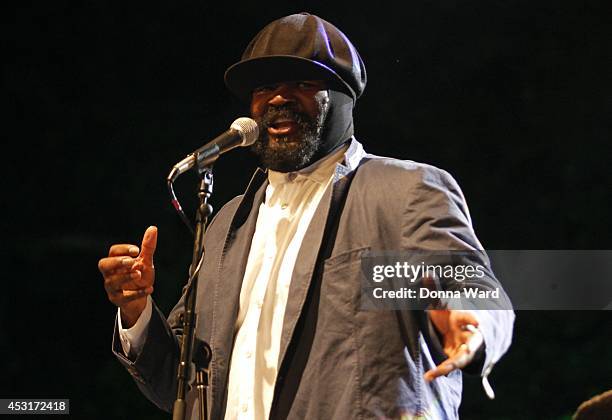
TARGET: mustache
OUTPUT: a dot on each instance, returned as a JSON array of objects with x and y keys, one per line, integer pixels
[{"x": 284, "y": 111}]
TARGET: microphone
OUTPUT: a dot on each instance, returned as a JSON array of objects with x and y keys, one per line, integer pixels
[{"x": 243, "y": 132}]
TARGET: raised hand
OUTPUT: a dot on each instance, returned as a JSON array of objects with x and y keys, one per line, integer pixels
[{"x": 129, "y": 275}]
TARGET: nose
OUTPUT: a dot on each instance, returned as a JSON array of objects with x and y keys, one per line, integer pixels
[{"x": 282, "y": 95}]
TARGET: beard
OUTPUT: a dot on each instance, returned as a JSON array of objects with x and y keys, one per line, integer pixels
[{"x": 295, "y": 151}]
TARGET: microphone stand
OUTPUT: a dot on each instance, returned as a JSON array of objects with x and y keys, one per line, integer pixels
[{"x": 193, "y": 349}]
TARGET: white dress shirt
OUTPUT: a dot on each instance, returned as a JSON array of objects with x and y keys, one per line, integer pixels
[{"x": 290, "y": 202}]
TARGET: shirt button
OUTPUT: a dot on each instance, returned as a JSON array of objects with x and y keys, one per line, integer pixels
[
  {"x": 248, "y": 354},
  {"x": 245, "y": 408},
  {"x": 284, "y": 206},
  {"x": 259, "y": 303}
]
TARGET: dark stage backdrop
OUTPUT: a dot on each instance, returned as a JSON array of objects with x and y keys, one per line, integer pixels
[{"x": 511, "y": 97}]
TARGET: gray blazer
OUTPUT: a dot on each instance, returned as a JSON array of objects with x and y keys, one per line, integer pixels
[{"x": 336, "y": 361}]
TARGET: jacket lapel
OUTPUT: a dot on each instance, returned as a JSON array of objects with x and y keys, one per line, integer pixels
[
  {"x": 232, "y": 265},
  {"x": 301, "y": 311},
  {"x": 313, "y": 251}
]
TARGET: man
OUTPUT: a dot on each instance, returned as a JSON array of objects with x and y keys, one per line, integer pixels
[{"x": 279, "y": 294}]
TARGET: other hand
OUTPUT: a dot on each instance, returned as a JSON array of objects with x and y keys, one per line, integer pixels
[{"x": 461, "y": 339}]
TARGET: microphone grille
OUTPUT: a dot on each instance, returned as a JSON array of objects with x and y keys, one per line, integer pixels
[{"x": 248, "y": 130}]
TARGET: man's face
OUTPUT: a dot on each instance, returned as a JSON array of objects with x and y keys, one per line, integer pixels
[{"x": 290, "y": 116}]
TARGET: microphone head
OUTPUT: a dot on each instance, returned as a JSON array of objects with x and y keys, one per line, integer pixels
[{"x": 248, "y": 130}]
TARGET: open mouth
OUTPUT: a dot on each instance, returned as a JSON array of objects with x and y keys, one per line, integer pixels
[{"x": 282, "y": 127}]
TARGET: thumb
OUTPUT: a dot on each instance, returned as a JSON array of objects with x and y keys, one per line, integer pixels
[{"x": 149, "y": 243}]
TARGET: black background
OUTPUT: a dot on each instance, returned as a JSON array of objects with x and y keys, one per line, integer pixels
[{"x": 102, "y": 97}]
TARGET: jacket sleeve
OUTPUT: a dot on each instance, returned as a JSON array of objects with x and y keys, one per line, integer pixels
[
  {"x": 436, "y": 218},
  {"x": 154, "y": 368}
]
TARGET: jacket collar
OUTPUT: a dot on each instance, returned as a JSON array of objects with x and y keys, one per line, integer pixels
[{"x": 353, "y": 154}]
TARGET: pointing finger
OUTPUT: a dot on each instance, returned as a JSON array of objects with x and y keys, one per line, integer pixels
[{"x": 149, "y": 243}]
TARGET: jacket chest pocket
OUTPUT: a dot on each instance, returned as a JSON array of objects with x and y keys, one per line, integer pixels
[{"x": 341, "y": 291}]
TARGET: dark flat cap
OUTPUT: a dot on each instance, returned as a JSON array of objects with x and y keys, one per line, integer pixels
[{"x": 298, "y": 47}]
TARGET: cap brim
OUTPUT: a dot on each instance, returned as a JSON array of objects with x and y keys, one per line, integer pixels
[{"x": 243, "y": 77}]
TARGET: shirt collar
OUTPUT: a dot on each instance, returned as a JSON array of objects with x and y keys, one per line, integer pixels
[{"x": 320, "y": 171}]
